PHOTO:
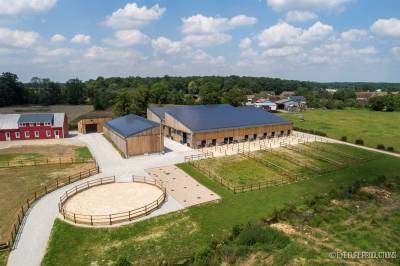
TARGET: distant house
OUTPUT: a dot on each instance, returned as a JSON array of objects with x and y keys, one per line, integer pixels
[
  {"x": 274, "y": 98},
  {"x": 364, "y": 96},
  {"x": 288, "y": 105},
  {"x": 287, "y": 94},
  {"x": 33, "y": 126},
  {"x": 250, "y": 99},
  {"x": 331, "y": 91},
  {"x": 301, "y": 100},
  {"x": 266, "y": 105}
]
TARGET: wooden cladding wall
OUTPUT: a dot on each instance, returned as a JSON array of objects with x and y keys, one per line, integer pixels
[
  {"x": 153, "y": 117},
  {"x": 150, "y": 141},
  {"x": 241, "y": 132},
  {"x": 119, "y": 142},
  {"x": 99, "y": 122}
]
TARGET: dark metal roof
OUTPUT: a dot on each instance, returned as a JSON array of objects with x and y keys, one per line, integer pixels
[
  {"x": 130, "y": 125},
  {"x": 36, "y": 118},
  {"x": 219, "y": 116},
  {"x": 297, "y": 99}
]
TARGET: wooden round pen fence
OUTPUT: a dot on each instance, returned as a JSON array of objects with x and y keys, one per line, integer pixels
[{"x": 112, "y": 218}]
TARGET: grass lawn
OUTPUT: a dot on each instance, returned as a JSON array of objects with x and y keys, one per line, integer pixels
[
  {"x": 17, "y": 184},
  {"x": 172, "y": 237},
  {"x": 83, "y": 152},
  {"x": 19, "y": 156},
  {"x": 373, "y": 127}
]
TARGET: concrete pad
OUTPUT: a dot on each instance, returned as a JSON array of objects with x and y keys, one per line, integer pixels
[{"x": 185, "y": 189}]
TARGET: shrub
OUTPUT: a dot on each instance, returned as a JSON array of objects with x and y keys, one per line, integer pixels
[
  {"x": 380, "y": 147},
  {"x": 344, "y": 138},
  {"x": 257, "y": 233},
  {"x": 359, "y": 142},
  {"x": 122, "y": 261},
  {"x": 390, "y": 149}
]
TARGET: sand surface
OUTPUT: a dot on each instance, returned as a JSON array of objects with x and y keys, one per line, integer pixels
[{"x": 112, "y": 198}]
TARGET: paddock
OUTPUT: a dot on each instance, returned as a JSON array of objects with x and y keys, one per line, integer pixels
[{"x": 106, "y": 202}]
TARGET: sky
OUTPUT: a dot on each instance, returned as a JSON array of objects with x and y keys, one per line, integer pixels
[{"x": 318, "y": 40}]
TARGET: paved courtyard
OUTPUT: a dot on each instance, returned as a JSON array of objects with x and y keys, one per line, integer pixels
[{"x": 182, "y": 187}]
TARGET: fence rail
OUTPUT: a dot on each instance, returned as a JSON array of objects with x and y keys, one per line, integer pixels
[
  {"x": 110, "y": 219},
  {"x": 47, "y": 161},
  {"x": 60, "y": 182}
]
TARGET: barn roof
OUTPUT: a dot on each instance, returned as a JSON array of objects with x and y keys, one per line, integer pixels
[
  {"x": 9, "y": 121},
  {"x": 200, "y": 118},
  {"x": 36, "y": 118},
  {"x": 129, "y": 125}
]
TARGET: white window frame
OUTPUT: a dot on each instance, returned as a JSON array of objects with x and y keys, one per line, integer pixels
[
  {"x": 27, "y": 134},
  {"x": 37, "y": 124},
  {"x": 17, "y": 135},
  {"x": 31, "y": 124},
  {"x": 47, "y": 124},
  {"x": 48, "y": 133},
  {"x": 22, "y": 124},
  {"x": 37, "y": 134}
]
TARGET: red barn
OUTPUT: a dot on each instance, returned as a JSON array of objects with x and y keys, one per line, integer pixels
[{"x": 33, "y": 126}]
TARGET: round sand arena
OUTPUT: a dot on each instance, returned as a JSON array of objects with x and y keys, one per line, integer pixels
[{"x": 112, "y": 198}]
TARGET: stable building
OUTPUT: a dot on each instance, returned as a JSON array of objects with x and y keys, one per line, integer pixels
[
  {"x": 135, "y": 135},
  {"x": 92, "y": 125},
  {"x": 33, "y": 126},
  {"x": 207, "y": 125}
]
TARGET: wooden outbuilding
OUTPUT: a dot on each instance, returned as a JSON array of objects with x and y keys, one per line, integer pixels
[
  {"x": 92, "y": 125},
  {"x": 135, "y": 135},
  {"x": 210, "y": 125}
]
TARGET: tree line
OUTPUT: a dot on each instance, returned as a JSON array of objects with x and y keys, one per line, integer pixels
[{"x": 134, "y": 94}]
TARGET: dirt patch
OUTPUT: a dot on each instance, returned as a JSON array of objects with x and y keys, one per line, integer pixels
[
  {"x": 150, "y": 236},
  {"x": 286, "y": 228},
  {"x": 377, "y": 192},
  {"x": 49, "y": 151}
]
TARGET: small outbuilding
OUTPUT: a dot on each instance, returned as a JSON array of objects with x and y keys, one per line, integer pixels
[{"x": 135, "y": 135}]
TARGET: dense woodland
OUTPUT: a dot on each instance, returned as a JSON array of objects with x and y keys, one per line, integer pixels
[{"x": 134, "y": 94}]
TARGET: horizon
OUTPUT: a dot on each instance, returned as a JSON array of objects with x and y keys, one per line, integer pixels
[{"x": 323, "y": 41}]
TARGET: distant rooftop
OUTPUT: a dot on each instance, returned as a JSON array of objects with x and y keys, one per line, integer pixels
[
  {"x": 129, "y": 125},
  {"x": 218, "y": 116}
]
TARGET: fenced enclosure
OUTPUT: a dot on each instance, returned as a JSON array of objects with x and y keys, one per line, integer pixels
[
  {"x": 112, "y": 218},
  {"x": 60, "y": 182},
  {"x": 45, "y": 161},
  {"x": 288, "y": 163}
]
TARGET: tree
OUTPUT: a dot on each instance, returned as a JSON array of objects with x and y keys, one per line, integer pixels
[
  {"x": 75, "y": 91},
  {"x": 140, "y": 101},
  {"x": 11, "y": 90},
  {"x": 123, "y": 104},
  {"x": 235, "y": 97}
]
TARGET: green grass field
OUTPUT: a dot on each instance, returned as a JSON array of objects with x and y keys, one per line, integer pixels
[
  {"x": 173, "y": 237},
  {"x": 373, "y": 127},
  {"x": 19, "y": 156},
  {"x": 83, "y": 153}
]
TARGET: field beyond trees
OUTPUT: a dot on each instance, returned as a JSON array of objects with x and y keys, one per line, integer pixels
[
  {"x": 373, "y": 128},
  {"x": 179, "y": 236}
]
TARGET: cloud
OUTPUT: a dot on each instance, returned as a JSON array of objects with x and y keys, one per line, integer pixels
[
  {"x": 80, "y": 39},
  {"x": 107, "y": 54},
  {"x": 45, "y": 52},
  {"x": 396, "y": 51},
  {"x": 207, "y": 40},
  {"x": 124, "y": 38},
  {"x": 57, "y": 38},
  {"x": 245, "y": 43},
  {"x": 201, "y": 57},
  {"x": 241, "y": 20},
  {"x": 386, "y": 27},
  {"x": 14, "y": 7},
  {"x": 283, "y": 51},
  {"x": 281, "y": 5},
  {"x": 300, "y": 16},
  {"x": 205, "y": 31},
  {"x": 133, "y": 16},
  {"x": 284, "y": 33},
  {"x": 166, "y": 46},
  {"x": 353, "y": 35},
  {"x": 17, "y": 38}
]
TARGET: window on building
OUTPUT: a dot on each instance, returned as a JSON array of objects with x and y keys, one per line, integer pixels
[
  {"x": 37, "y": 124},
  {"x": 282, "y": 133},
  {"x": 27, "y": 135},
  {"x": 17, "y": 135},
  {"x": 226, "y": 140},
  {"x": 214, "y": 142},
  {"x": 31, "y": 124},
  {"x": 273, "y": 134},
  {"x": 230, "y": 139},
  {"x": 288, "y": 132},
  {"x": 255, "y": 136},
  {"x": 203, "y": 143},
  {"x": 48, "y": 133},
  {"x": 265, "y": 134},
  {"x": 47, "y": 124},
  {"x": 36, "y": 134},
  {"x": 21, "y": 124},
  {"x": 246, "y": 137}
]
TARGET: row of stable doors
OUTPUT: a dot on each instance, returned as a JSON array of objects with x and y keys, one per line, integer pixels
[{"x": 17, "y": 135}]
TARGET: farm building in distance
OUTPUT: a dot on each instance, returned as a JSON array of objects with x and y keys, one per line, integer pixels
[
  {"x": 206, "y": 125},
  {"x": 33, "y": 126},
  {"x": 135, "y": 135}
]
